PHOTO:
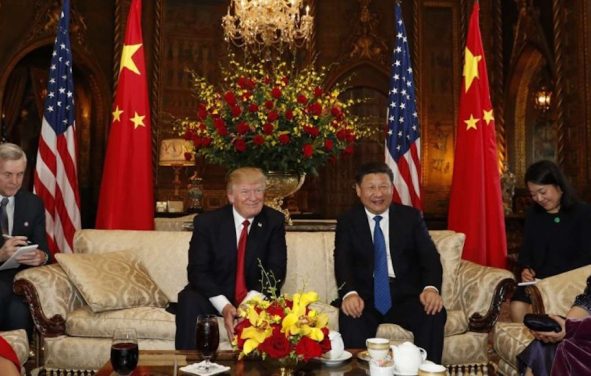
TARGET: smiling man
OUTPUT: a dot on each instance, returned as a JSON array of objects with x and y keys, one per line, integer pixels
[
  {"x": 387, "y": 267},
  {"x": 224, "y": 255}
]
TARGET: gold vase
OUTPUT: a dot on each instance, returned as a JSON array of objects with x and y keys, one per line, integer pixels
[{"x": 279, "y": 186}]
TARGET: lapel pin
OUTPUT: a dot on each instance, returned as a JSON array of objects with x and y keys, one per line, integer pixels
[
  {"x": 260, "y": 224},
  {"x": 26, "y": 224}
]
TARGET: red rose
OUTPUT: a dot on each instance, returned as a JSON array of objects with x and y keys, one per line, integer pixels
[
  {"x": 285, "y": 79},
  {"x": 222, "y": 131},
  {"x": 342, "y": 134},
  {"x": 266, "y": 80},
  {"x": 276, "y": 93},
  {"x": 302, "y": 99},
  {"x": 325, "y": 344},
  {"x": 197, "y": 143},
  {"x": 318, "y": 91},
  {"x": 284, "y": 138},
  {"x": 242, "y": 127},
  {"x": 307, "y": 150},
  {"x": 277, "y": 345},
  {"x": 337, "y": 112},
  {"x": 348, "y": 150},
  {"x": 230, "y": 98},
  {"x": 311, "y": 130},
  {"x": 201, "y": 111},
  {"x": 328, "y": 144},
  {"x": 268, "y": 128},
  {"x": 236, "y": 111},
  {"x": 253, "y": 107},
  {"x": 240, "y": 145},
  {"x": 206, "y": 141},
  {"x": 219, "y": 122},
  {"x": 289, "y": 115},
  {"x": 275, "y": 309},
  {"x": 258, "y": 139},
  {"x": 269, "y": 105},
  {"x": 245, "y": 83},
  {"x": 272, "y": 116},
  {"x": 315, "y": 109},
  {"x": 308, "y": 348},
  {"x": 188, "y": 156},
  {"x": 189, "y": 134}
]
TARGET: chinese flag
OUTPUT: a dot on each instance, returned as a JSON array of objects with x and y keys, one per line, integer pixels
[
  {"x": 476, "y": 206},
  {"x": 126, "y": 198}
]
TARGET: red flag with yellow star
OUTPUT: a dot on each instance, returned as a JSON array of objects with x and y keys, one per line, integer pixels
[
  {"x": 127, "y": 198},
  {"x": 476, "y": 206}
]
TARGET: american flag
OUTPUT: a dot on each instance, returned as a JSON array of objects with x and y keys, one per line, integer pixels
[
  {"x": 56, "y": 180},
  {"x": 403, "y": 146}
]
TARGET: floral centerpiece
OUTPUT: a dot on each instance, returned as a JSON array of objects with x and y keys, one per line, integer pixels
[
  {"x": 277, "y": 118},
  {"x": 282, "y": 328}
]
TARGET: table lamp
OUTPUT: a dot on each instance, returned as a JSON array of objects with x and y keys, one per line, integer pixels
[{"x": 174, "y": 153}]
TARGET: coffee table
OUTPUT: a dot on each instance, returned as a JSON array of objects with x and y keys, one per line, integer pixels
[{"x": 161, "y": 363}]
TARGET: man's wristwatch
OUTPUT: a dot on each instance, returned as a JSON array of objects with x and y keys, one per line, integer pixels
[{"x": 46, "y": 258}]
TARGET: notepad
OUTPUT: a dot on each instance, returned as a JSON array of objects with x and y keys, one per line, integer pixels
[{"x": 12, "y": 263}]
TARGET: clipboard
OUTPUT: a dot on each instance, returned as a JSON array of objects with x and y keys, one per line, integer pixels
[{"x": 12, "y": 263}]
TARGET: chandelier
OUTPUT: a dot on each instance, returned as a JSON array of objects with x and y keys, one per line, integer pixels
[{"x": 263, "y": 24}]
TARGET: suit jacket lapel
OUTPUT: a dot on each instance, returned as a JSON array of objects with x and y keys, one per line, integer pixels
[
  {"x": 362, "y": 226},
  {"x": 18, "y": 221},
  {"x": 395, "y": 222}
]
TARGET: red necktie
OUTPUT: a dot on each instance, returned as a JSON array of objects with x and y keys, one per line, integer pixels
[{"x": 240, "y": 290}]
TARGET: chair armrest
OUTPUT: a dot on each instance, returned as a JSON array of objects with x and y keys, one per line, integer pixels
[
  {"x": 482, "y": 290},
  {"x": 556, "y": 294},
  {"x": 50, "y": 295}
]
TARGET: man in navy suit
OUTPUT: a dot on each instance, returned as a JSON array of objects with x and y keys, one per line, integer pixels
[
  {"x": 407, "y": 292},
  {"x": 214, "y": 254},
  {"x": 22, "y": 220}
]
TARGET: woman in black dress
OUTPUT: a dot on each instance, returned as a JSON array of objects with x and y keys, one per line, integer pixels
[{"x": 557, "y": 235}]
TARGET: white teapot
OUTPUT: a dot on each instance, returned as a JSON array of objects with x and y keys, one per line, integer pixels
[
  {"x": 408, "y": 358},
  {"x": 336, "y": 344}
]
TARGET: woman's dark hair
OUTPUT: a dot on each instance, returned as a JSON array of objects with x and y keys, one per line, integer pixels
[
  {"x": 547, "y": 172},
  {"x": 373, "y": 168}
]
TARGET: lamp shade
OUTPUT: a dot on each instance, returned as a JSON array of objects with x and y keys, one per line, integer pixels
[{"x": 174, "y": 152}]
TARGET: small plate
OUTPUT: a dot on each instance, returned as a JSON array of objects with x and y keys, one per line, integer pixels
[
  {"x": 330, "y": 362},
  {"x": 364, "y": 355}
]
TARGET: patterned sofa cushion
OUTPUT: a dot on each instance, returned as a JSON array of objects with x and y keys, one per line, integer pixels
[
  {"x": 111, "y": 281},
  {"x": 509, "y": 340},
  {"x": 148, "y": 322},
  {"x": 19, "y": 343},
  {"x": 164, "y": 253}
]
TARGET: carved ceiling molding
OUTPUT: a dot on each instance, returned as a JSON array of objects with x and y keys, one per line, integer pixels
[
  {"x": 529, "y": 32},
  {"x": 365, "y": 43},
  {"x": 47, "y": 15}
]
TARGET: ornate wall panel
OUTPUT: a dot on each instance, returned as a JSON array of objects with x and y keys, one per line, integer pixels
[{"x": 439, "y": 68}]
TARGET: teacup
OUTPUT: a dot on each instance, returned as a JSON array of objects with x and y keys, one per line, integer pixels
[
  {"x": 381, "y": 367},
  {"x": 336, "y": 346},
  {"x": 432, "y": 369},
  {"x": 378, "y": 348}
]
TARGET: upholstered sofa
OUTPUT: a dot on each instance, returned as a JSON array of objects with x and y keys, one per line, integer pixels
[
  {"x": 75, "y": 337},
  {"x": 553, "y": 295},
  {"x": 19, "y": 343}
]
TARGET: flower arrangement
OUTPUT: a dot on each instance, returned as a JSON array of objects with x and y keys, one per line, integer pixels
[
  {"x": 282, "y": 328},
  {"x": 274, "y": 118}
]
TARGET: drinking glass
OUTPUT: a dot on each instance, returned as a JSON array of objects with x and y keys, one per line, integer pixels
[
  {"x": 207, "y": 337},
  {"x": 124, "y": 351}
]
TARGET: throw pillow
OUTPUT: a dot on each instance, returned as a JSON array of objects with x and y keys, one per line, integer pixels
[{"x": 113, "y": 280}]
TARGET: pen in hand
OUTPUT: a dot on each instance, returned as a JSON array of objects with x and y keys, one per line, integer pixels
[{"x": 6, "y": 236}]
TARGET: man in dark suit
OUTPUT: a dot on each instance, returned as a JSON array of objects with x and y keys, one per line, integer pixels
[
  {"x": 217, "y": 285},
  {"x": 387, "y": 268},
  {"x": 22, "y": 221}
]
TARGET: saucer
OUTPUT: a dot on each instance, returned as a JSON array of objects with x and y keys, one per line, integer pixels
[
  {"x": 331, "y": 362},
  {"x": 364, "y": 355}
]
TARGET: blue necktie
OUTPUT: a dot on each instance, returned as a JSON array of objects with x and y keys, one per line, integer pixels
[{"x": 381, "y": 284}]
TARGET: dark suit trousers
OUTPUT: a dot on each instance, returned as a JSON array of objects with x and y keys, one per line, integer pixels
[
  {"x": 190, "y": 305},
  {"x": 409, "y": 314},
  {"x": 14, "y": 312}
]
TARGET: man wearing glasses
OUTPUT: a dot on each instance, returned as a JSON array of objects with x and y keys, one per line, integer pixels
[{"x": 224, "y": 255}]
